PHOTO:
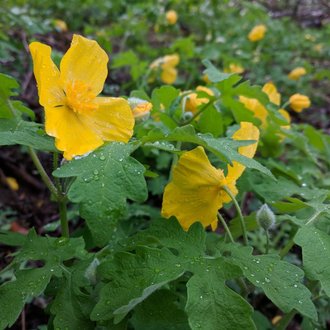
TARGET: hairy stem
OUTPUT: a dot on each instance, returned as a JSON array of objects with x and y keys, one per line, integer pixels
[
  {"x": 223, "y": 222},
  {"x": 240, "y": 215},
  {"x": 44, "y": 176}
]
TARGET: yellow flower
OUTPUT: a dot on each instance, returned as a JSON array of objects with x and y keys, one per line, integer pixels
[
  {"x": 195, "y": 193},
  {"x": 78, "y": 119},
  {"x": 273, "y": 95},
  {"x": 206, "y": 79},
  {"x": 257, "y": 33},
  {"x": 234, "y": 68},
  {"x": 60, "y": 25},
  {"x": 171, "y": 17},
  {"x": 193, "y": 101},
  {"x": 286, "y": 116},
  {"x": 140, "y": 108},
  {"x": 257, "y": 108},
  {"x": 296, "y": 73},
  {"x": 167, "y": 66},
  {"x": 299, "y": 102}
]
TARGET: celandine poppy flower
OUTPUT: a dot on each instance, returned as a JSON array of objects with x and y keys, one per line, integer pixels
[
  {"x": 78, "y": 119},
  {"x": 192, "y": 101},
  {"x": 167, "y": 66},
  {"x": 195, "y": 193}
]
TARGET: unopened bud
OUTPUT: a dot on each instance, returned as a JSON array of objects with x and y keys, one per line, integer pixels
[
  {"x": 265, "y": 217},
  {"x": 140, "y": 108}
]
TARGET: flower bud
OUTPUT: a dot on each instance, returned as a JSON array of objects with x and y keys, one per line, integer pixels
[
  {"x": 140, "y": 108},
  {"x": 299, "y": 102},
  {"x": 171, "y": 17},
  {"x": 296, "y": 73},
  {"x": 265, "y": 217},
  {"x": 257, "y": 33},
  {"x": 60, "y": 25}
]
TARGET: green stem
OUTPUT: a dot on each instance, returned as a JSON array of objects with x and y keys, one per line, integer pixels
[
  {"x": 199, "y": 112},
  {"x": 56, "y": 191},
  {"x": 44, "y": 176},
  {"x": 267, "y": 241},
  {"x": 63, "y": 217},
  {"x": 222, "y": 220},
  {"x": 175, "y": 159},
  {"x": 55, "y": 165},
  {"x": 240, "y": 215},
  {"x": 287, "y": 248},
  {"x": 286, "y": 319}
]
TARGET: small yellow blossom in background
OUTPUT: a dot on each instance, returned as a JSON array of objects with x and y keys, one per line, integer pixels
[
  {"x": 318, "y": 48},
  {"x": 140, "y": 108},
  {"x": 60, "y": 25},
  {"x": 299, "y": 102},
  {"x": 257, "y": 33},
  {"x": 12, "y": 183},
  {"x": 167, "y": 66},
  {"x": 296, "y": 73},
  {"x": 273, "y": 95},
  {"x": 257, "y": 108},
  {"x": 206, "y": 79},
  {"x": 286, "y": 116},
  {"x": 171, "y": 17},
  {"x": 192, "y": 101},
  {"x": 195, "y": 193},
  {"x": 234, "y": 68},
  {"x": 78, "y": 119}
]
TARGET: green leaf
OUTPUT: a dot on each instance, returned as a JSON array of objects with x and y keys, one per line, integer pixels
[
  {"x": 213, "y": 73},
  {"x": 280, "y": 280},
  {"x": 224, "y": 148},
  {"x": 25, "y": 133},
  {"x": 104, "y": 181},
  {"x": 69, "y": 306},
  {"x": 211, "y": 121},
  {"x": 7, "y": 84},
  {"x": 150, "y": 268},
  {"x": 31, "y": 283},
  {"x": 160, "y": 312},
  {"x": 211, "y": 304},
  {"x": 316, "y": 251},
  {"x": 164, "y": 96}
]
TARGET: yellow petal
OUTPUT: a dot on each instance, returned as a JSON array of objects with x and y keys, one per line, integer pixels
[
  {"x": 168, "y": 75},
  {"x": 271, "y": 90},
  {"x": 194, "y": 192},
  {"x": 171, "y": 60},
  {"x": 256, "y": 107},
  {"x": 247, "y": 131},
  {"x": 71, "y": 135},
  {"x": 112, "y": 121},
  {"x": 47, "y": 75},
  {"x": 84, "y": 62},
  {"x": 287, "y": 116}
]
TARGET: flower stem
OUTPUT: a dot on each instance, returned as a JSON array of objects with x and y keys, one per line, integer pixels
[
  {"x": 286, "y": 248},
  {"x": 63, "y": 217},
  {"x": 44, "y": 176},
  {"x": 56, "y": 191},
  {"x": 240, "y": 215},
  {"x": 267, "y": 241},
  {"x": 223, "y": 222}
]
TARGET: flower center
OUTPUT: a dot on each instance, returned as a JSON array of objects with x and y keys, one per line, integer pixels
[{"x": 80, "y": 97}]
